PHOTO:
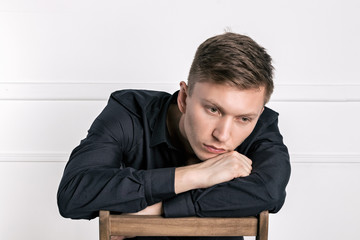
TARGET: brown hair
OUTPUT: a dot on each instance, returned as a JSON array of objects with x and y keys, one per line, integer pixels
[{"x": 233, "y": 59}]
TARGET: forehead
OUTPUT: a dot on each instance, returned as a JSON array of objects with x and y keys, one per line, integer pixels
[{"x": 232, "y": 99}]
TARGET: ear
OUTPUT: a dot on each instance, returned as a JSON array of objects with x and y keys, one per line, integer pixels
[
  {"x": 262, "y": 110},
  {"x": 183, "y": 94}
]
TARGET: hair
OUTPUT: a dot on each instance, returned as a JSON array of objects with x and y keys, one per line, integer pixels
[{"x": 232, "y": 59}]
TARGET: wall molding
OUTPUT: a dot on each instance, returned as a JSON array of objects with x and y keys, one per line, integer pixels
[
  {"x": 307, "y": 158},
  {"x": 101, "y": 91},
  {"x": 325, "y": 158},
  {"x": 34, "y": 157}
]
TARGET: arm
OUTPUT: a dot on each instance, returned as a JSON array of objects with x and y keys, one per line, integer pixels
[
  {"x": 220, "y": 169},
  {"x": 96, "y": 176},
  {"x": 263, "y": 189},
  {"x": 85, "y": 189}
]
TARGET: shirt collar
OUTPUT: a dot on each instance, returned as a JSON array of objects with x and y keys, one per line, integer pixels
[{"x": 160, "y": 132}]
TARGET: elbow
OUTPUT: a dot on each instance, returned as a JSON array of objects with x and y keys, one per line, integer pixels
[
  {"x": 64, "y": 200},
  {"x": 69, "y": 207},
  {"x": 64, "y": 210},
  {"x": 275, "y": 203},
  {"x": 276, "y": 192},
  {"x": 65, "y": 205}
]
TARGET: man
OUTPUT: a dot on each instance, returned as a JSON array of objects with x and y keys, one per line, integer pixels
[{"x": 211, "y": 149}]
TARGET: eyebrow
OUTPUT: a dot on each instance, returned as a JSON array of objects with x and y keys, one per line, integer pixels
[{"x": 222, "y": 110}]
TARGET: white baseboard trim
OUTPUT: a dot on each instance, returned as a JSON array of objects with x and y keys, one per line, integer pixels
[
  {"x": 308, "y": 158},
  {"x": 325, "y": 158},
  {"x": 101, "y": 91},
  {"x": 34, "y": 157}
]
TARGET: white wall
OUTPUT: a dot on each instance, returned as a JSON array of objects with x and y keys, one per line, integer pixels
[{"x": 60, "y": 60}]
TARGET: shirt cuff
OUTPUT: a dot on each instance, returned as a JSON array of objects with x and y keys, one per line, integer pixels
[
  {"x": 159, "y": 184},
  {"x": 179, "y": 206}
]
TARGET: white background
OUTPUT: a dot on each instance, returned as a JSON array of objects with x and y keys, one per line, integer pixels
[{"x": 60, "y": 60}]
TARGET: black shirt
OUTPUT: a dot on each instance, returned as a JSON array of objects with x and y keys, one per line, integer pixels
[{"x": 127, "y": 163}]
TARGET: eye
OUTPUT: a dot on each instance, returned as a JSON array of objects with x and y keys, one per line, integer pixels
[
  {"x": 244, "y": 119},
  {"x": 213, "y": 109}
]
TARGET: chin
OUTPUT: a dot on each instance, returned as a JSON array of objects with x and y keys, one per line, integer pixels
[{"x": 203, "y": 156}]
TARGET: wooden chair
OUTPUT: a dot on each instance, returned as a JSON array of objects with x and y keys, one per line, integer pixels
[{"x": 145, "y": 225}]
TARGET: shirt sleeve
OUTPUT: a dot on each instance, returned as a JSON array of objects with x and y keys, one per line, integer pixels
[
  {"x": 263, "y": 189},
  {"x": 96, "y": 178}
]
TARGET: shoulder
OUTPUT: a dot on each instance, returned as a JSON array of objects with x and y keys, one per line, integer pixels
[
  {"x": 126, "y": 115},
  {"x": 266, "y": 129},
  {"x": 138, "y": 101},
  {"x": 132, "y": 106},
  {"x": 138, "y": 94},
  {"x": 267, "y": 117}
]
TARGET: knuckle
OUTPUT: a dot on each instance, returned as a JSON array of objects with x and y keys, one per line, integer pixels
[
  {"x": 237, "y": 165},
  {"x": 234, "y": 154}
]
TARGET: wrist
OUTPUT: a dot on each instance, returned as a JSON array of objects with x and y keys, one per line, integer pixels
[{"x": 187, "y": 178}]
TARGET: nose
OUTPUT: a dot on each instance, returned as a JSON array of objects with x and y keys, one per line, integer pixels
[{"x": 222, "y": 131}]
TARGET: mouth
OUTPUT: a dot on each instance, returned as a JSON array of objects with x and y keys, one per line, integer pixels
[{"x": 213, "y": 149}]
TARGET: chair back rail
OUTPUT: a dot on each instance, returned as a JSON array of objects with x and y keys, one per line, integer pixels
[{"x": 145, "y": 225}]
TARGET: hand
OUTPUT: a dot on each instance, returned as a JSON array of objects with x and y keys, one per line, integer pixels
[
  {"x": 155, "y": 209},
  {"x": 221, "y": 168},
  {"x": 119, "y": 237}
]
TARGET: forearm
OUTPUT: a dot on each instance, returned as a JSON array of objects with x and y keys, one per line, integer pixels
[
  {"x": 185, "y": 179},
  {"x": 263, "y": 189},
  {"x": 239, "y": 197},
  {"x": 155, "y": 209},
  {"x": 222, "y": 168},
  {"x": 83, "y": 194}
]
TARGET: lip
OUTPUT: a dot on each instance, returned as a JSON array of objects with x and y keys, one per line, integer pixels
[{"x": 213, "y": 149}]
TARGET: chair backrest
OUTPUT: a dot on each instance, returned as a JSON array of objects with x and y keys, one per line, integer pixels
[{"x": 146, "y": 225}]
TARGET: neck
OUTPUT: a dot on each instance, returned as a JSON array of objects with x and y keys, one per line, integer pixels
[{"x": 174, "y": 122}]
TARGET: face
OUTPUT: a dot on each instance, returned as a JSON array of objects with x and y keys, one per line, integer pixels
[{"x": 217, "y": 118}]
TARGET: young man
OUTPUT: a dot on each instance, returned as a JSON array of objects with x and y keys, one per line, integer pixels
[{"x": 211, "y": 149}]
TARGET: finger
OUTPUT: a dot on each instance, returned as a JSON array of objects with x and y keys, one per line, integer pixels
[
  {"x": 120, "y": 237},
  {"x": 247, "y": 163},
  {"x": 246, "y": 160},
  {"x": 117, "y": 237}
]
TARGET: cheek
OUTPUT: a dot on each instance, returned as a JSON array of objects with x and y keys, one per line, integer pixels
[
  {"x": 197, "y": 124},
  {"x": 192, "y": 124},
  {"x": 244, "y": 133}
]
